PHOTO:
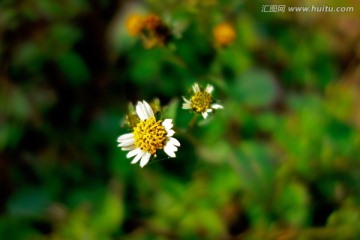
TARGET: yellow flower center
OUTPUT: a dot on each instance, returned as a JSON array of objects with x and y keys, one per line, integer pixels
[
  {"x": 201, "y": 101},
  {"x": 150, "y": 135}
]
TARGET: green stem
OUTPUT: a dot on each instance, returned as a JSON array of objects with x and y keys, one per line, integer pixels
[{"x": 192, "y": 122}]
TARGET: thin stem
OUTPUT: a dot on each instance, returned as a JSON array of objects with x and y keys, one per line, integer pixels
[{"x": 192, "y": 122}]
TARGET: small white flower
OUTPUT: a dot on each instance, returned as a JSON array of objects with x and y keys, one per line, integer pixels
[
  {"x": 201, "y": 101},
  {"x": 148, "y": 136}
]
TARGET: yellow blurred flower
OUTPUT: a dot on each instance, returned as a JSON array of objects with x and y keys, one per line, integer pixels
[
  {"x": 135, "y": 24},
  {"x": 157, "y": 33},
  {"x": 152, "y": 22},
  {"x": 224, "y": 34},
  {"x": 150, "y": 28}
]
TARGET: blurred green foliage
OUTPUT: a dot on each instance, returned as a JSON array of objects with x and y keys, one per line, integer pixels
[{"x": 280, "y": 161}]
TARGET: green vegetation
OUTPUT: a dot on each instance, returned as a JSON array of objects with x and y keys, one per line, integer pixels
[{"x": 280, "y": 161}]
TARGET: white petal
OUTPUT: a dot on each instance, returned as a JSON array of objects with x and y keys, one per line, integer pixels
[
  {"x": 145, "y": 159},
  {"x": 127, "y": 142},
  {"x": 125, "y": 137},
  {"x": 137, "y": 158},
  {"x": 209, "y": 88},
  {"x": 196, "y": 88},
  {"x": 169, "y": 150},
  {"x": 140, "y": 112},
  {"x": 170, "y": 132},
  {"x": 167, "y": 123},
  {"x": 132, "y": 147},
  {"x": 216, "y": 106},
  {"x": 174, "y": 141},
  {"x": 186, "y": 106},
  {"x": 205, "y": 114},
  {"x": 186, "y": 101},
  {"x": 209, "y": 110},
  {"x": 147, "y": 109},
  {"x": 171, "y": 147},
  {"x": 133, "y": 152}
]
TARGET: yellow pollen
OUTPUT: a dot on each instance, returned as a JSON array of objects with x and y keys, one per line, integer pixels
[
  {"x": 201, "y": 101},
  {"x": 150, "y": 135}
]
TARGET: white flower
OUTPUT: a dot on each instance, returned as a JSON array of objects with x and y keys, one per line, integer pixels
[
  {"x": 201, "y": 101},
  {"x": 148, "y": 136}
]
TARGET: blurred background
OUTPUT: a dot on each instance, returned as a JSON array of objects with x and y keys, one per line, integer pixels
[{"x": 280, "y": 161}]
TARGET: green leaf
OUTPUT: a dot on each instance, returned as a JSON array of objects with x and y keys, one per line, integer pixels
[
  {"x": 293, "y": 204},
  {"x": 28, "y": 202},
  {"x": 170, "y": 110},
  {"x": 255, "y": 88},
  {"x": 10, "y": 134},
  {"x": 110, "y": 213},
  {"x": 74, "y": 68},
  {"x": 255, "y": 169}
]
